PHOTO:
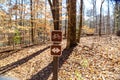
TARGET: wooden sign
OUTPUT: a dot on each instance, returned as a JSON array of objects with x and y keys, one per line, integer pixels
[
  {"x": 56, "y": 36},
  {"x": 56, "y": 50}
]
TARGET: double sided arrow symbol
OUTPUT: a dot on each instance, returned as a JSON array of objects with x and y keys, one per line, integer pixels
[{"x": 56, "y": 50}]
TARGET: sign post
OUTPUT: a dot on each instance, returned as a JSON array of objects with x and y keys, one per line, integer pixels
[{"x": 56, "y": 38}]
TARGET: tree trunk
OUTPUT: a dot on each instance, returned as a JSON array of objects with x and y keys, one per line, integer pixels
[
  {"x": 103, "y": 24},
  {"x": 54, "y": 5},
  {"x": 71, "y": 36},
  {"x": 94, "y": 14},
  {"x": 10, "y": 22},
  {"x": 100, "y": 24},
  {"x": 116, "y": 16},
  {"x": 66, "y": 21},
  {"x": 65, "y": 28},
  {"x": 114, "y": 24},
  {"x": 32, "y": 28},
  {"x": 80, "y": 24},
  {"x": 108, "y": 20}
]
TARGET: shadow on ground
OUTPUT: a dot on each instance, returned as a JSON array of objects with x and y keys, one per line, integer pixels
[
  {"x": 45, "y": 72},
  {"x": 13, "y": 65},
  {"x": 7, "y": 53}
]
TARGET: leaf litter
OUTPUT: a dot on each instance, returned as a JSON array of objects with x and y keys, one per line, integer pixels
[{"x": 95, "y": 58}]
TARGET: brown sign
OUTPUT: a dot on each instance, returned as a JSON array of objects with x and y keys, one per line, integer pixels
[
  {"x": 56, "y": 50},
  {"x": 56, "y": 36}
]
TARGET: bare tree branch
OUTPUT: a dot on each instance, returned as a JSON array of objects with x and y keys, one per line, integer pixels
[{"x": 50, "y": 3}]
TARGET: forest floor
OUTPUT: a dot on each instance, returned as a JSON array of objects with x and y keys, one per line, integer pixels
[{"x": 95, "y": 58}]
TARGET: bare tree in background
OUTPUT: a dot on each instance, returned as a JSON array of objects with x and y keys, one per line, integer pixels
[
  {"x": 108, "y": 19},
  {"x": 32, "y": 26},
  {"x": 81, "y": 21},
  {"x": 116, "y": 16},
  {"x": 94, "y": 13},
  {"x": 100, "y": 24}
]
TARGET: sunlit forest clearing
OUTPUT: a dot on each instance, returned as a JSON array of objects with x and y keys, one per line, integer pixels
[{"x": 90, "y": 39}]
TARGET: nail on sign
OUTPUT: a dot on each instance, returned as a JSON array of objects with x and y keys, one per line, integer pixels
[
  {"x": 56, "y": 36},
  {"x": 56, "y": 50}
]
